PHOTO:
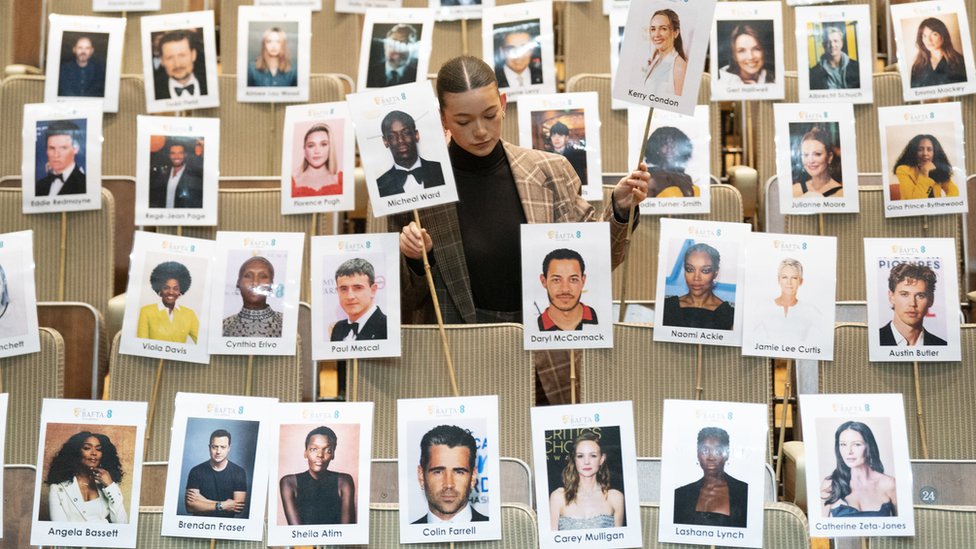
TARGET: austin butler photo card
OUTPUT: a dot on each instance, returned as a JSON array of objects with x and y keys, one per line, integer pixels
[
  {"x": 700, "y": 276},
  {"x": 833, "y": 54},
  {"x": 567, "y": 124},
  {"x": 401, "y": 143},
  {"x": 791, "y": 282},
  {"x": 816, "y": 157},
  {"x": 618, "y": 22},
  {"x": 586, "y": 449},
  {"x": 318, "y": 151},
  {"x": 355, "y": 296},
  {"x": 566, "y": 286},
  {"x": 396, "y": 47},
  {"x": 747, "y": 51},
  {"x": 126, "y": 5},
  {"x": 217, "y": 480},
  {"x": 179, "y": 61},
  {"x": 255, "y": 293},
  {"x": 517, "y": 40},
  {"x": 177, "y": 167},
  {"x": 362, "y": 6},
  {"x": 860, "y": 436},
  {"x": 18, "y": 298},
  {"x": 314, "y": 5},
  {"x": 923, "y": 158},
  {"x": 273, "y": 43},
  {"x": 61, "y": 168},
  {"x": 935, "y": 52},
  {"x": 89, "y": 469},
  {"x": 84, "y": 59},
  {"x": 168, "y": 298},
  {"x": 663, "y": 55},
  {"x": 451, "y": 10},
  {"x": 913, "y": 299},
  {"x": 456, "y": 436},
  {"x": 723, "y": 445}
]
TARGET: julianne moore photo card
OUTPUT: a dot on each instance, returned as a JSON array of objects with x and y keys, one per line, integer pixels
[
  {"x": 18, "y": 295},
  {"x": 179, "y": 61},
  {"x": 517, "y": 40},
  {"x": 84, "y": 59},
  {"x": 833, "y": 54},
  {"x": 126, "y": 5},
  {"x": 318, "y": 159},
  {"x": 396, "y": 47},
  {"x": 274, "y": 46},
  {"x": 935, "y": 51},
  {"x": 747, "y": 51}
]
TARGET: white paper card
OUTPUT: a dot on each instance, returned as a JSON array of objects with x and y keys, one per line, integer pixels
[
  {"x": 925, "y": 31},
  {"x": 362, "y": 6},
  {"x": 747, "y": 51},
  {"x": 450, "y": 10},
  {"x": 314, "y": 5},
  {"x": 273, "y": 36},
  {"x": 18, "y": 322},
  {"x": 181, "y": 72},
  {"x": 318, "y": 155},
  {"x": 126, "y": 5},
  {"x": 84, "y": 59},
  {"x": 396, "y": 47},
  {"x": 517, "y": 40},
  {"x": 833, "y": 54}
]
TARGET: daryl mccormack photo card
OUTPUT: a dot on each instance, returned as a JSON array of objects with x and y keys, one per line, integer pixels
[
  {"x": 84, "y": 59},
  {"x": 452, "y": 10},
  {"x": 448, "y": 469},
  {"x": 566, "y": 277},
  {"x": 355, "y": 296},
  {"x": 663, "y": 54},
  {"x": 18, "y": 296},
  {"x": 923, "y": 159},
  {"x": 402, "y": 147},
  {"x": 177, "y": 167},
  {"x": 833, "y": 54},
  {"x": 854, "y": 437},
  {"x": 179, "y": 61},
  {"x": 791, "y": 283},
  {"x": 320, "y": 474},
  {"x": 747, "y": 51},
  {"x": 254, "y": 295},
  {"x": 61, "y": 168},
  {"x": 89, "y": 468},
  {"x": 935, "y": 52},
  {"x": 700, "y": 278},
  {"x": 313, "y": 5},
  {"x": 168, "y": 301},
  {"x": 677, "y": 157},
  {"x": 396, "y": 47},
  {"x": 913, "y": 299},
  {"x": 586, "y": 475},
  {"x": 713, "y": 470},
  {"x": 567, "y": 124},
  {"x": 318, "y": 152},
  {"x": 217, "y": 480},
  {"x": 517, "y": 40},
  {"x": 816, "y": 157},
  {"x": 126, "y": 5},
  {"x": 274, "y": 44}
]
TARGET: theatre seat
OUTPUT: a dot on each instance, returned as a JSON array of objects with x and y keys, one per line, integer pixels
[
  {"x": 29, "y": 379},
  {"x": 18, "y": 505}
]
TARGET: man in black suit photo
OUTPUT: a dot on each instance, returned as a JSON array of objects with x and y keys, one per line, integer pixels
[
  {"x": 409, "y": 173},
  {"x": 398, "y": 64},
  {"x": 356, "y": 288},
  {"x": 835, "y": 70},
  {"x": 911, "y": 292},
  {"x": 515, "y": 65},
  {"x": 559, "y": 137},
  {"x": 447, "y": 473},
  {"x": 174, "y": 185},
  {"x": 180, "y": 76},
  {"x": 64, "y": 176}
]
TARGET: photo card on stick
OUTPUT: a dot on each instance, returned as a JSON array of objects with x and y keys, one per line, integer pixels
[
  {"x": 396, "y": 47},
  {"x": 179, "y": 61},
  {"x": 747, "y": 51},
  {"x": 273, "y": 47},
  {"x": 18, "y": 322},
  {"x": 833, "y": 54},
  {"x": 84, "y": 59},
  {"x": 935, "y": 51},
  {"x": 318, "y": 159},
  {"x": 518, "y": 41}
]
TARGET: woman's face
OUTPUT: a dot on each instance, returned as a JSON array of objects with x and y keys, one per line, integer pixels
[
  {"x": 789, "y": 280},
  {"x": 272, "y": 44},
  {"x": 317, "y": 149},
  {"x": 700, "y": 274},
  {"x": 748, "y": 55},
  {"x": 255, "y": 284},
  {"x": 91, "y": 452},
  {"x": 662, "y": 33},
  {"x": 815, "y": 157},
  {"x": 712, "y": 455},
  {"x": 852, "y": 448},
  {"x": 925, "y": 152},
  {"x": 474, "y": 118},
  {"x": 932, "y": 39},
  {"x": 589, "y": 457},
  {"x": 170, "y": 292}
]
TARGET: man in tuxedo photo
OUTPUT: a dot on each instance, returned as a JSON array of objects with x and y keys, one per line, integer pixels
[
  {"x": 178, "y": 77},
  {"x": 64, "y": 176},
  {"x": 911, "y": 292},
  {"x": 356, "y": 289},
  {"x": 514, "y": 66},
  {"x": 447, "y": 473},
  {"x": 174, "y": 185},
  {"x": 399, "y": 62},
  {"x": 409, "y": 173}
]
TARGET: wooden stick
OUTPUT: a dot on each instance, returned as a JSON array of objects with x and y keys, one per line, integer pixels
[
  {"x": 62, "y": 255},
  {"x": 213, "y": 543},
  {"x": 153, "y": 401},
  {"x": 918, "y": 412},
  {"x": 1, "y": 379},
  {"x": 698, "y": 374},
  {"x": 354, "y": 382},
  {"x": 249, "y": 380},
  {"x": 630, "y": 225},
  {"x": 464, "y": 37},
  {"x": 572, "y": 376},
  {"x": 820, "y": 224},
  {"x": 274, "y": 135},
  {"x": 751, "y": 156},
  {"x": 782, "y": 428},
  {"x": 179, "y": 230}
]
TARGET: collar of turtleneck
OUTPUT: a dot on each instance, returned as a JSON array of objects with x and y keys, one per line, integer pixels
[{"x": 464, "y": 161}]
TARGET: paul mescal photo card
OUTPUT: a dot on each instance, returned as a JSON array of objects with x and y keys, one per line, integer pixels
[
  {"x": 833, "y": 54},
  {"x": 18, "y": 296},
  {"x": 517, "y": 40},
  {"x": 84, "y": 59},
  {"x": 935, "y": 52},
  {"x": 396, "y": 47},
  {"x": 747, "y": 51},
  {"x": 179, "y": 61},
  {"x": 273, "y": 47},
  {"x": 318, "y": 159}
]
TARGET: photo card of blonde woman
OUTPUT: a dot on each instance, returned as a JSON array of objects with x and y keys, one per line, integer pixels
[
  {"x": 273, "y": 47},
  {"x": 713, "y": 457},
  {"x": 364, "y": 6},
  {"x": 913, "y": 299},
  {"x": 179, "y": 61},
  {"x": 449, "y": 471},
  {"x": 318, "y": 152},
  {"x": 18, "y": 296},
  {"x": 396, "y": 47},
  {"x": 747, "y": 53},
  {"x": 833, "y": 54},
  {"x": 923, "y": 159},
  {"x": 816, "y": 158},
  {"x": 126, "y": 5},
  {"x": 168, "y": 298},
  {"x": 618, "y": 23},
  {"x": 89, "y": 472},
  {"x": 586, "y": 475},
  {"x": 61, "y": 163},
  {"x": 518, "y": 41},
  {"x": 314, "y": 5},
  {"x": 700, "y": 279},
  {"x": 452, "y": 10},
  {"x": 935, "y": 49},
  {"x": 663, "y": 54},
  {"x": 254, "y": 296},
  {"x": 84, "y": 59},
  {"x": 177, "y": 170},
  {"x": 319, "y": 482},
  {"x": 859, "y": 477}
]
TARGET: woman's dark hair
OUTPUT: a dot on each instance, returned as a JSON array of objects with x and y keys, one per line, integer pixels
[
  {"x": 662, "y": 137},
  {"x": 571, "y": 475},
  {"x": 909, "y": 157},
  {"x": 746, "y": 29},
  {"x": 840, "y": 479},
  {"x": 923, "y": 57},
  {"x": 822, "y": 136},
  {"x": 675, "y": 22},
  {"x": 702, "y": 248},
  {"x": 5, "y": 294},
  {"x": 64, "y": 466},
  {"x": 170, "y": 270},
  {"x": 461, "y": 74}
]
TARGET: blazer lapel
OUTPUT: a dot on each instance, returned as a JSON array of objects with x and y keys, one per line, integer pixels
[{"x": 531, "y": 184}]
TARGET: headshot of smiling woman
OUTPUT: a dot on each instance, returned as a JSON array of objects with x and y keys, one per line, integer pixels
[{"x": 750, "y": 57}]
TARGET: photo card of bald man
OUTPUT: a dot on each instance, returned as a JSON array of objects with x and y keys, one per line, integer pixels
[
  {"x": 126, "y": 5},
  {"x": 713, "y": 470},
  {"x": 913, "y": 299},
  {"x": 61, "y": 168},
  {"x": 314, "y": 5},
  {"x": 517, "y": 40},
  {"x": 84, "y": 59},
  {"x": 935, "y": 49},
  {"x": 355, "y": 296},
  {"x": 179, "y": 61},
  {"x": 747, "y": 51},
  {"x": 318, "y": 159},
  {"x": 833, "y": 54},
  {"x": 396, "y": 47},
  {"x": 273, "y": 46},
  {"x": 18, "y": 297},
  {"x": 449, "y": 470}
]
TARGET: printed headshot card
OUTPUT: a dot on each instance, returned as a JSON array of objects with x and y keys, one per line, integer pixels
[
  {"x": 254, "y": 296},
  {"x": 833, "y": 54},
  {"x": 586, "y": 475},
  {"x": 816, "y": 156},
  {"x": 452, "y": 10},
  {"x": 923, "y": 159},
  {"x": 314, "y": 5},
  {"x": 396, "y": 47},
  {"x": 318, "y": 151},
  {"x": 84, "y": 59},
  {"x": 663, "y": 54},
  {"x": 89, "y": 470},
  {"x": 791, "y": 284},
  {"x": 126, "y": 5},
  {"x": 713, "y": 470},
  {"x": 567, "y": 124},
  {"x": 217, "y": 479},
  {"x": 448, "y": 469},
  {"x": 177, "y": 170},
  {"x": 18, "y": 296},
  {"x": 168, "y": 298},
  {"x": 566, "y": 278},
  {"x": 320, "y": 474},
  {"x": 274, "y": 44},
  {"x": 402, "y": 147},
  {"x": 3, "y": 440},
  {"x": 857, "y": 436},
  {"x": 518, "y": 41},
  {"x": 935, "y": 52},
  {"x": 913, "y": 299},
  {"x": 747, "y": 51},
  {"x": 618, "y": 23},
  {"x": 701, "y": 272},
  {"x": 179, "y": 61}
]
